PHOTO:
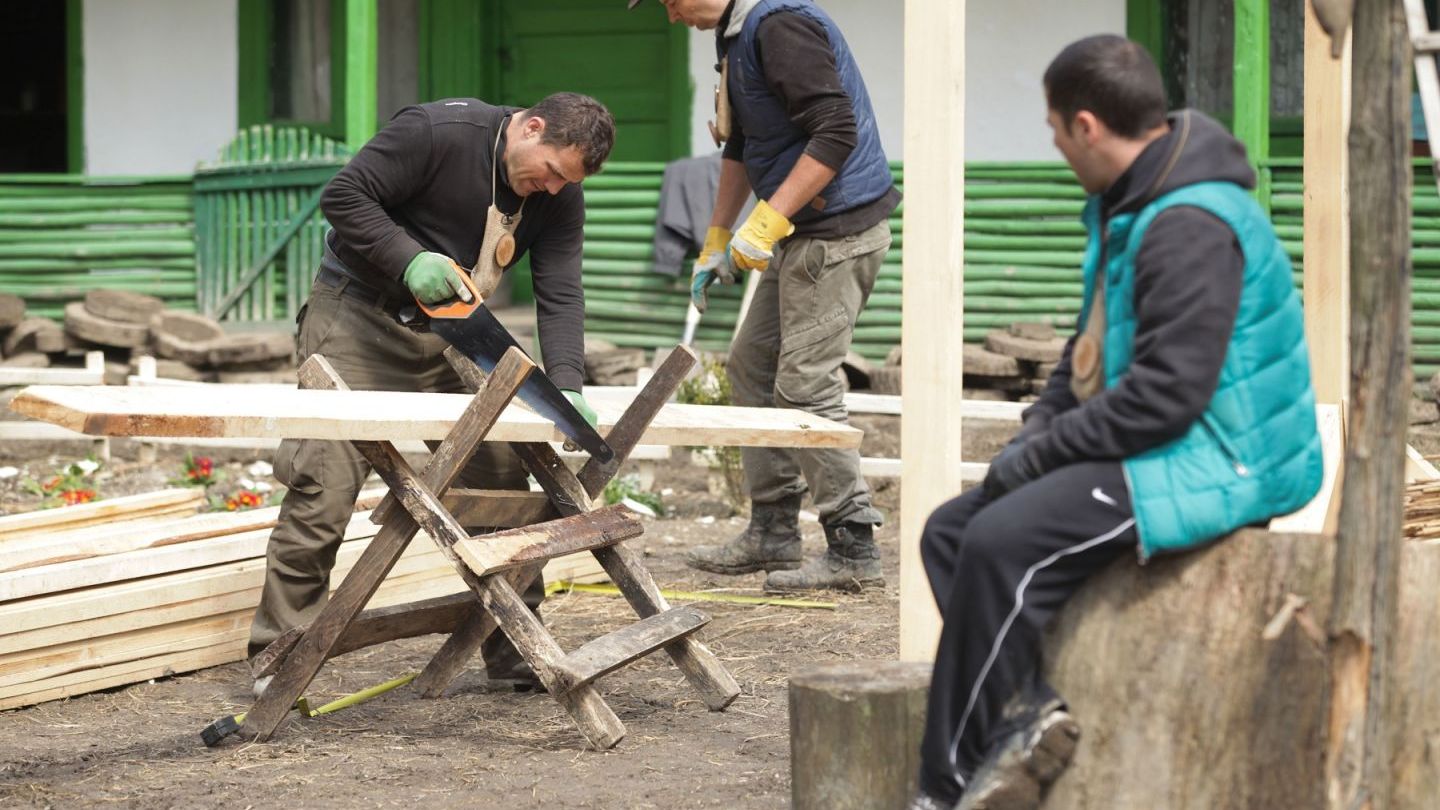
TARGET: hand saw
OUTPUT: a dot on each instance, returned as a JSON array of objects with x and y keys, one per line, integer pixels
[{"x": 476, "y": 333}]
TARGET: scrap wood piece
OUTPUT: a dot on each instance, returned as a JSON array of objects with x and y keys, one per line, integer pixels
[
  {"x": 237, "y": 411},
  {"x": 613, "y": 650},
  {"x": 492, "y": 553},
  {"x": 18, "y": 525},
  {"x": 374, "y": 626}
]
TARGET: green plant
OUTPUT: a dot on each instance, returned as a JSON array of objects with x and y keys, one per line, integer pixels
[
  {"x": 628, "y": 486},
  {"x": 70, "y": 485},
  {"x": 199, "y": 471},
  {"x": 712, "y": 387}
]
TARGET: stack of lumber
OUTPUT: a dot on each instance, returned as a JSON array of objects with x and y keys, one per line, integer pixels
[
  {"x": 39, "y": 528},
  {"x": 1422, "y": 510},
  {"x": 120, "y": 603}
]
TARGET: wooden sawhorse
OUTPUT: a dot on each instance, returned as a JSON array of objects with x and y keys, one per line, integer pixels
[{"x": 496, "y": 566}]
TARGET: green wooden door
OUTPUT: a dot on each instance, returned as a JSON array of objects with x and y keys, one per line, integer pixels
[{"x": 634, "y": 62}]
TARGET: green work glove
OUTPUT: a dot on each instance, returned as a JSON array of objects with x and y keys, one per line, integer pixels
[
  {"x": 578, "y": 400},
  {"x": 432, "y": 277},
  {"x": 712, "y": 266}
]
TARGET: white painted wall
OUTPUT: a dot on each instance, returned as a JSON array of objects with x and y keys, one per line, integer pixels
[
  {"x": 160, "y": 84},
  {"x": 1008, "y": 43}
]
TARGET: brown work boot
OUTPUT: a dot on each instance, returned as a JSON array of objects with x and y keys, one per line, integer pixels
[
  {"x": 770, "y": 543},
  {"x": 851, "y": 562},
  {"x": 1025, "y": 763}
]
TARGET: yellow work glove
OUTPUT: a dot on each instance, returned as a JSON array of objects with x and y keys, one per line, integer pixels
[
  {"x": 712, "y": 266},
  {"x": 754, "y": 246}
]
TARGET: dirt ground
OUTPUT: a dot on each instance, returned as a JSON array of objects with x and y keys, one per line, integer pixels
[{"x": 139, "y": 746}]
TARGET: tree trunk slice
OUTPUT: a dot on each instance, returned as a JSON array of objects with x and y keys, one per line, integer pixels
[
  {"x": 986, "y": 363},
  {"x": 86, "y": 326},
  {"x": 1032, "y": 331},
  {"x": 252, "y": 348},
  {"x": 1181, "y": 700},
  {"x": 1040, "y": 351},
  {"x": 12, "y": 311},
  {"x": 123, "y": 305},
  {"x": 186, "y": 326},
  {"x": 34, "y": 335},
  {"x": 855, "y": 731}
]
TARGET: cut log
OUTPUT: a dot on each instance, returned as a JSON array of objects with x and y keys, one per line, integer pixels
[
  {"x": 86, "y": 326},
  {"x": 184, "y": 336},
  {"x": 614, "y": 367},
  {"x": 34, "y": 335},
  {"x": 123, "y": 305},
  {"x": 12, "y": 311},
  {"x": 256, "y": 347},
  {"x": 985, "y": 363},
  {"x": 237, "y": 411},
  {"x": 1192, "y": 685},
  {"x": 24, "y": 360},
  {"x": 1032, "y": 330},
  {"x": 1039, "y": 351},
  {"x": 885, "y": 380},
  {"x": 855, "y": 731}
]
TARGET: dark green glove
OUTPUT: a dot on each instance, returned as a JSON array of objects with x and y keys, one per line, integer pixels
[
  {"x": 578, "y": 400},
  {"x": 432, "y": 277}
]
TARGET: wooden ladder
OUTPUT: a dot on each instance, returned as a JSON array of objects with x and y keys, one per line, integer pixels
[
  {"x": 498, "y": 566},
  {"x": 1426, "y": 42}
]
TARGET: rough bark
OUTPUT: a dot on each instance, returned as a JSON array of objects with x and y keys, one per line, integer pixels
[{"x": 1182, "y": 700}]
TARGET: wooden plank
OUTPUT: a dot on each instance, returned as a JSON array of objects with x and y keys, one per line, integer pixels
[
  {"x": 932, "y": 333},
  {"x": 1327, "y": 213},
  {"x": 378, "y": 625},
  {"x": 11, "y": 375},
  {"x": 498, "y": 508},
  {"x": 13, "y": 526},
  {"x": 630, "y": 643},
  {"x": 1418, "y": 468},
  {"x": 482, "y": 412},
  {"x": 171, "y": 654},
  {"x": 36, "y": 549},
  {"x": 502, "y": 551},
  {"x": 238, "y": 411}
]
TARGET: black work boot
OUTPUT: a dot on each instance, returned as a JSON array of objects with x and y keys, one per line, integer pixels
[
  {"x": 851, "y": 562},
  {"x": 1026, "y": 760},
  {"x": 770, "y": 543}
]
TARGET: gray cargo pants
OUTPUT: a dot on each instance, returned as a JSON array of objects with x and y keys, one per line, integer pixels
[
  {"x": 370, "y": 351},
  {"x": 788, "y": 355}
]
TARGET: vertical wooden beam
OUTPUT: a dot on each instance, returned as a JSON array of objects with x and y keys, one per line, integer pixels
[
  {"x": 1327, "y": 213},
  {"x": 932, "y": 332},
  {"x": 1252, "y": 88},
  {"x": 361, "y": 71},
  {"x": 1367, "y": 555}
]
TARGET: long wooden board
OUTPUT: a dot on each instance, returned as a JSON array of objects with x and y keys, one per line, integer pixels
[
  {"x": 237, "y": 411},
  {"x": 165, "y": 501}
]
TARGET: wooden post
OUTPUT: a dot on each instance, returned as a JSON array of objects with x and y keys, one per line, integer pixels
[
  {"x": 1368, "y": 547},
  {"x": 1252, "y": 88},
  {"x": 1327, "y": 213},
  {"x": 855, "y": 732},
  {"x": 361, "y": 71},
  {"x": 933, "y": 303}
]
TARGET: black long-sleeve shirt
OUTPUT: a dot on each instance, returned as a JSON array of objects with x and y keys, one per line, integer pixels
[
  {"x": 423, "y": 184},
  {"x": 799, "y": 67}
]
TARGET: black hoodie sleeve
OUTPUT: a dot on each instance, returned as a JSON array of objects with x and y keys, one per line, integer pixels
[
  {"x": 1054, "y": 400},
  {"x": 1188, "y": 277}
]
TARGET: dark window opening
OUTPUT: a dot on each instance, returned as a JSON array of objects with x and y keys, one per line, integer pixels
[{"x": 33, "y": 106}]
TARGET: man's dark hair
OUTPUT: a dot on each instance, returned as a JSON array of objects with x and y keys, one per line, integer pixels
[
  {"x": 580, "y": 121},
  {"x": 1113, "y": 78}
]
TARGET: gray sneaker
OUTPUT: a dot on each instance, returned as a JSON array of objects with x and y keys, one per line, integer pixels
[
  {"x": 1024, "y": 765},
  {"x": 770, "y": 543},
  {"x": 924, "y": 801}
]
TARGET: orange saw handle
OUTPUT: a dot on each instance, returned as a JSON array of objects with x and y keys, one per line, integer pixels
[{"x": 455, "y": 307}]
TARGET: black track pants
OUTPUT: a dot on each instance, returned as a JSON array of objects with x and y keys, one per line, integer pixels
[{"x": 1000, "y": 569}]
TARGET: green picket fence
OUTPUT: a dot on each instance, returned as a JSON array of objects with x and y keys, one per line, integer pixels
[
  {"x": 259, "y": 230},
  {"x": 63, "y": 235}
]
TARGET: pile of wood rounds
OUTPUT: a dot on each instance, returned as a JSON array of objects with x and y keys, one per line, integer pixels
[
  {"x": 608, "y": 364},
  {"x": 1013, "y": 364},
  {"x": 126, "y": 326}
]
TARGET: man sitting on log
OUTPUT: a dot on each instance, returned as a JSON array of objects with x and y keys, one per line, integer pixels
[
  {"x": 1181, "y": 411},
  {"x": 457, "y": 181}
]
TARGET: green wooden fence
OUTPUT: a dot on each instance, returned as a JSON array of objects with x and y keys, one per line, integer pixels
[
  {"x": 259, "y": 231},
  {"x": 63, "y": 235}
]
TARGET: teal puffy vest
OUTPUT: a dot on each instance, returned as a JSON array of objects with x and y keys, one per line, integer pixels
[{"x": 1255, "y": 453}]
